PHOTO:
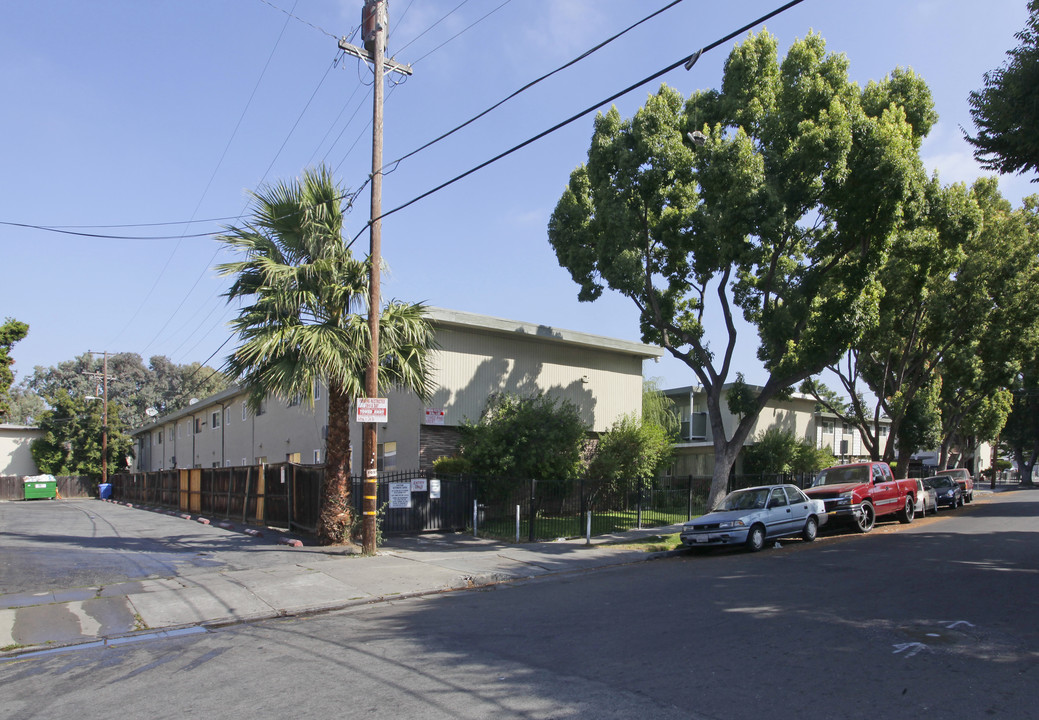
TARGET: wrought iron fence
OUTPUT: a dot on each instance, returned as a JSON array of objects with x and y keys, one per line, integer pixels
[{"x": 288, "y": 495}]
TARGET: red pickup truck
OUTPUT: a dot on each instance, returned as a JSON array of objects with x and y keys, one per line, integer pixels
[{"x": 862, "y": 492}]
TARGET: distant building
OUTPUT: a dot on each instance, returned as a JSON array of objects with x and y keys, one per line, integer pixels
[
  {"x": 694, "y": 452},
  {"x": 15, "y": 454},
  {"x": 477, "y": 357}
]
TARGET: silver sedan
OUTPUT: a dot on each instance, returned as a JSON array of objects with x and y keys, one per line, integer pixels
[{"x": 755, "y": 515}]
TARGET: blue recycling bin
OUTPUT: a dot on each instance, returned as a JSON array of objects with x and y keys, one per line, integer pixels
[{"x": 105, "y": 491}]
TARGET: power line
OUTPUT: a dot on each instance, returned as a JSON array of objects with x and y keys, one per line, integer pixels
[
  {"x": 687, "y": 60},
  {"x": 532, "y": 83},
  {"x": 209, "y": 184},
  {"x": 463, "y": 30},
  {"x": 296, "y": 17}
]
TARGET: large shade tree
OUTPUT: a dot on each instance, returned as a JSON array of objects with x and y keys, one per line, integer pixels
[
  {"x": 1006, "y": 109},
  {"x": 781, "y": 207},
  {"x": 11, "y": 331},
  {"x": 303, "y": 321}
]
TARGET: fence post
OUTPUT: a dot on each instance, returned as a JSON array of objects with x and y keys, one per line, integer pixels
[
  {"x": 517, "y": 523},
  {"x": 475, "y": 506},
  {"x": 533, "y": 512},
  {"x": 639, "y": 481},
  {"x": 689, "y": 510}
]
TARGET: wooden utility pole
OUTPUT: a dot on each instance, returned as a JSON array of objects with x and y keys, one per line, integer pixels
[
  {"x": 104, "y": 411},
  {"x": 374, "y": 27}
]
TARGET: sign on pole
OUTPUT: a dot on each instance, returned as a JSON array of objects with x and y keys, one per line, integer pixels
[{"x": 373, "y": 410}]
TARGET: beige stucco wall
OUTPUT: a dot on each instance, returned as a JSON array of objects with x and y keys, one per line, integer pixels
[
  {"x": 15, "y": 454},
  {"x": 476, "y": 357}
]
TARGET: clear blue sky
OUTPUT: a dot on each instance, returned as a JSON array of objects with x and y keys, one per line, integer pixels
[{"x": 126, "y": 112}]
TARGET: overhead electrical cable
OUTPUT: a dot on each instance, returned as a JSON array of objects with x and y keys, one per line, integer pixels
[
  {"x": 209, "y": 184},
  {"x": 687, "y": 60},
  {"x": 532, "y": 83}
]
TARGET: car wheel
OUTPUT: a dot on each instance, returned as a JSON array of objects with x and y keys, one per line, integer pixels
[
  {"x": 811, "y": 529},
  {"x": 866, "y": 518},
  {"x": 756, "y": 538},
  {"x": 908, "y": 512}
]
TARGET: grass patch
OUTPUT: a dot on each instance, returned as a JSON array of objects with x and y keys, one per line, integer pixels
[{"x": 552, "y": 527}]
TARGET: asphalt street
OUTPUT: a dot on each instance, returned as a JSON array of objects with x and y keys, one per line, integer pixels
[{"x": 934, "y": 619}]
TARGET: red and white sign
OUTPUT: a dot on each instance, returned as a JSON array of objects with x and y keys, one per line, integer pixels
[
  {"x": 373, "y": 410},
  {"x": 434, "y": 416}
]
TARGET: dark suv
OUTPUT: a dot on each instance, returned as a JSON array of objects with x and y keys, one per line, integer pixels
[{"x": 963, "y": 477}]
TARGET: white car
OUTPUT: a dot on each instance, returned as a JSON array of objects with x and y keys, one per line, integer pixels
[
  {"x": 755, "y": 515},
  {"x": 926, "y": 499}
]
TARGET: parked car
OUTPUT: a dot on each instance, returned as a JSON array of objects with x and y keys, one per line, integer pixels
[
  {"x": 755, "y": 515},
  {"x": 964, "y": 478},
  {"x": 948, "y": 490},
  {"x": 926, "y": 499},
  {"x": 861, "y": 492}
]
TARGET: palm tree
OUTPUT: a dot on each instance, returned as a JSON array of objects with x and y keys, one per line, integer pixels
[{"x": 303, "y": 320}]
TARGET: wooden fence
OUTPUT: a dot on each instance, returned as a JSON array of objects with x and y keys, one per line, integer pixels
[{"x": 69, "y": 486}]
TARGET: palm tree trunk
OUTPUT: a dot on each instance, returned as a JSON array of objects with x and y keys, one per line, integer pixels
[{"x": 336, "y": 513}]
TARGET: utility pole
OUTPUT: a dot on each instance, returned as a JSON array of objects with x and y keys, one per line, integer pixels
[
  {"x": 104, "y": 413},
  {"x": 374, "y": 27}
]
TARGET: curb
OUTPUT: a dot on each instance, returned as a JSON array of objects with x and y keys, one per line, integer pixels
[{"x": 222, "y": 524}]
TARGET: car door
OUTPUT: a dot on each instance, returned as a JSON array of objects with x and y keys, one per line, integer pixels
[
  {"x": 778, "y": 522},
  {"x": 799, "y": 510},
  {"x": 885, "y": 491}
]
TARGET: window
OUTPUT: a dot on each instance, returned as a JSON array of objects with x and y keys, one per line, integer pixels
[
  {"x": 227, "y": 416},
  {"x": 292, "y": 457},
  {"x": 244, "y": 462},
  {"x": 317, "y": 457},
  {"x": 180, "y": 429},
  {"x": 158, "y": 438},
  {"x": 295, "y": 400},
  {"x": 386, "y": 456},
  {"x": 215, "y": 420},
  {"x": 216, "y": 464},
  {"x": 847, "y": 428},
  {"x": 263, "y": 407},
  {"x": 245, "y": 411},
  {"x": 198, "y": 425},
  {"x": 227, "y": 463},
  {"x": 882, "y": 430},
  {"x": 828, "y": 427},
  {"x": 170, "y": 438},
  {"x": 261, "y": 459},
  {"x": 317, "y": 390}
]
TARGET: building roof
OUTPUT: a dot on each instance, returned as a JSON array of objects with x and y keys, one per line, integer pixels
[
  {"x": 474, "y": 321},
  {"x": 468, "y": 321}
]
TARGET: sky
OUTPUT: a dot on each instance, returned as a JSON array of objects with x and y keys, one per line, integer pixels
[{"x": 154, "y": 121}]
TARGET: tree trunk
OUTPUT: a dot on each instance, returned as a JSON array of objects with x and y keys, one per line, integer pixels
[{"x": 336, "y": 514}]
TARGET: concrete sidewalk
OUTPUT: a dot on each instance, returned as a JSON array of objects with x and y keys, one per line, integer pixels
[{"x": 317, "y": 581}]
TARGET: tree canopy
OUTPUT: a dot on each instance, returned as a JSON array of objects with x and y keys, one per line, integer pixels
[
  {"x": 1006, "y": 109},
  {"x": 304, "y": 320},
  {"x": 162, "y": 385},
  {"x": 783, "y": 209},
  {"x": 10, "y": 332},
  {"x": 71, "y": 441}
]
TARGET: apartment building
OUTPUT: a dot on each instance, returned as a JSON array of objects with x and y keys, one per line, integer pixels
[{"x": 477, "y": 356}]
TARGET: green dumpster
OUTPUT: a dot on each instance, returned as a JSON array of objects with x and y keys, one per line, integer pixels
[{"x": 41, "y": 487}]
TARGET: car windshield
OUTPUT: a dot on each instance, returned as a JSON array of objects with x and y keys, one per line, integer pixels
[
  {"x": 940, "y": 481},
  {"x": 744, "y": 500},
  {"x": 843, "y": 475}
]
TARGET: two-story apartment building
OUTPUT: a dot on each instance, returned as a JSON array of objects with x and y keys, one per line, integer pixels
[
  {"x": 694, "y": 453},
  {"x": 476, "y": 357}
]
